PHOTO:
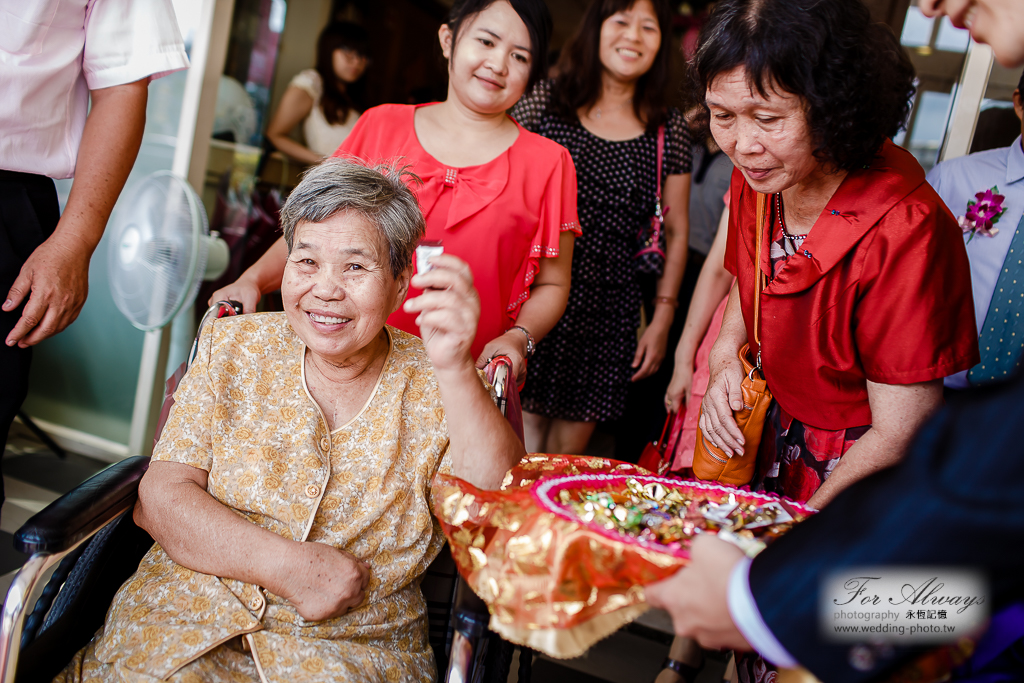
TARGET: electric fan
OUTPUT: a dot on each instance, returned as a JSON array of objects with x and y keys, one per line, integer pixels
[
  {"x": 159, "y": 253},
  {"x": 161, "y": 250}
]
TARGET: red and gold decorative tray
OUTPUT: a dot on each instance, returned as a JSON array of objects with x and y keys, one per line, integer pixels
[
  {"x": 637, "y": 497},
  {"x": 558, "y": 575}
]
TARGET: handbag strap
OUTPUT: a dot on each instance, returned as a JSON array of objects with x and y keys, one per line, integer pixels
[
  {"x": 759, "y": 280},
  {"x": 664, "y": 430},
  {"x": 661, "y": 156}
]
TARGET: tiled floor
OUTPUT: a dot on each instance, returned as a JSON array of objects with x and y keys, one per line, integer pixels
[
  {"x": 633, "y": 655},
  {"x": 34, "y": 476}
]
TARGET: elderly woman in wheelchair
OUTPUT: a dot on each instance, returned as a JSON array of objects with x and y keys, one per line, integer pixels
[{"x": 288, "y": 494}]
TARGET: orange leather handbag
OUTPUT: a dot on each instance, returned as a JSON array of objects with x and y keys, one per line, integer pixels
[{"x": 710, "y": 462}]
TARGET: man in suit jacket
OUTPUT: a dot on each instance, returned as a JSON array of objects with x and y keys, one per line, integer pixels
[{"x": 956, "y": 500}]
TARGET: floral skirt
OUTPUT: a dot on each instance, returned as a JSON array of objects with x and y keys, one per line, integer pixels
[{"x": 795, "y": 459}]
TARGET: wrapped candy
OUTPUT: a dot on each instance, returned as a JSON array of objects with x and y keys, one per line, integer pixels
[
  {"x": 561, "y": 553},
  {"x": 661, "y": 512}
]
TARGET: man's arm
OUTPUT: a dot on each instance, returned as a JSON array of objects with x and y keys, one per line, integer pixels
[
  {"x": 55, "y": 279},
  {"x": 953, "y": 501}
]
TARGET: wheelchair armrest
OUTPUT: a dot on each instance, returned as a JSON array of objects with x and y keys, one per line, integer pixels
[{"x": 83, "y": 510}]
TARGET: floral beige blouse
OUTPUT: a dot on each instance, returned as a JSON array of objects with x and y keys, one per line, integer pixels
[{"x": 243, "y": 414}]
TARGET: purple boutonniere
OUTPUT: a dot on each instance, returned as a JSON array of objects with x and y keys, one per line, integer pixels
[{"x": 983, "y": 212}]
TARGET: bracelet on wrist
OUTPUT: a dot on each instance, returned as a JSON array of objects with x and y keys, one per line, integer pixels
[
  {"x": 531, "y": 344},
  {"x": 670, "y": 300}
]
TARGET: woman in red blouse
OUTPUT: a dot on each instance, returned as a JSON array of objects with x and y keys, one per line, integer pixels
[
  {"x": 868, "y": 302},
  {"x": 497, "y": 196}
]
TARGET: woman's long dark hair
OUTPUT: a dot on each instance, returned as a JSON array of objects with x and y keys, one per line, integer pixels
[
  {"x": 578, "y": 84},
  {"x": 337, "y": 100}
]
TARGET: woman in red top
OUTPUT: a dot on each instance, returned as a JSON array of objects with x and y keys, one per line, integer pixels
[
  {"x": 868, "y": 303},
  {"x": 497, "y": 196}
]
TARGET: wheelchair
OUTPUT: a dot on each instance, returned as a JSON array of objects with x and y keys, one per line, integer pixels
[{"x": 90, "y": 536}]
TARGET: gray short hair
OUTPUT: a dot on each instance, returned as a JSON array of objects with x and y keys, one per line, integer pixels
[{"x": 378, "y": 193}]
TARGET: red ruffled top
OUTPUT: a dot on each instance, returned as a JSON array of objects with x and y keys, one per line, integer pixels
[{"x": 500, "y": 217}]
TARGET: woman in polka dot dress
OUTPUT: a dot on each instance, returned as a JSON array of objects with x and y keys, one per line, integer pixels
[{"x": 606, "y": 108}]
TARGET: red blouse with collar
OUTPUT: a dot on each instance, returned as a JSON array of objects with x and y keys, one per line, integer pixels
[
  {"x": 881, "y": 291},
  {"x": 501, "y": 217}
]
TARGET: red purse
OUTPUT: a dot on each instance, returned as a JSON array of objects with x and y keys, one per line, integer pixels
[{"x": 658, "y": 455}]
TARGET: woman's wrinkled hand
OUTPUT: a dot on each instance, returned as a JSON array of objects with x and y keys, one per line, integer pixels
[
  {"x": 322, "y": 581},
  {"x": 511, "y": 344},
  {"x": 721, "y": 400},
  {"x": 241, "y": 290},
  {"x": 680, "y": 388},
  {"x": 449, "y": 311},
  {"x": 650, "y": 351}
]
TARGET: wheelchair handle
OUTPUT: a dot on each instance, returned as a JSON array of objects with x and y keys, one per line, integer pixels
[
  {"x": 500, "y": 368},
  {"x": 219, "y": 309}
]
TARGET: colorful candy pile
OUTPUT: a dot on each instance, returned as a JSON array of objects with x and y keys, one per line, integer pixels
[{"x": 658, "y": 514}]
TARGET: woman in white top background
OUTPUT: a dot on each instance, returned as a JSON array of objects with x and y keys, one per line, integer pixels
[{"x": 323, "y": 99}]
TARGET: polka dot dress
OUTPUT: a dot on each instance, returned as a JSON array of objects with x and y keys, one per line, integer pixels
[{"x": 581, "y": 370}]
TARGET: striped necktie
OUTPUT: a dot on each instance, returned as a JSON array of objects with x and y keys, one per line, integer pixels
[{"x": 1002, "y": 337}]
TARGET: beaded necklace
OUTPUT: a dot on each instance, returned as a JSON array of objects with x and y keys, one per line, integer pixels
[{"x": 782, "y": 220}]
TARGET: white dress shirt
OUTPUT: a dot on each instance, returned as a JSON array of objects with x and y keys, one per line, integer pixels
[
  {"x": 957, "y": 181},
  {"x": 53, "y": 52},
  {"x": 747, "y": 618}
]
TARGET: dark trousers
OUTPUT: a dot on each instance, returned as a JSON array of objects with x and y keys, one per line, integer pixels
[
  {"x": 645, "y": 404},
  {"x": 28, "y": 216}
]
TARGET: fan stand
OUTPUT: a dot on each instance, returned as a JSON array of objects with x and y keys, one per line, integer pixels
[
  {"x": 42, "y": 435},
  {"x": 156, "y": 347},
  {"x": 149, "y": 390},
  {"x": 191, "y": 151}
]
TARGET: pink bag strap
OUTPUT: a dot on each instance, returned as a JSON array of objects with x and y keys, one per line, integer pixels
[
  {"x": 661, "y": 156},
  {"x": 659, "y": 213}
]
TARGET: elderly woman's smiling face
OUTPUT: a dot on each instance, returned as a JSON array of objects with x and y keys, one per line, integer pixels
[
  {"x": 767, "y": 138},
  {"x": 338, "y": 287}
]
